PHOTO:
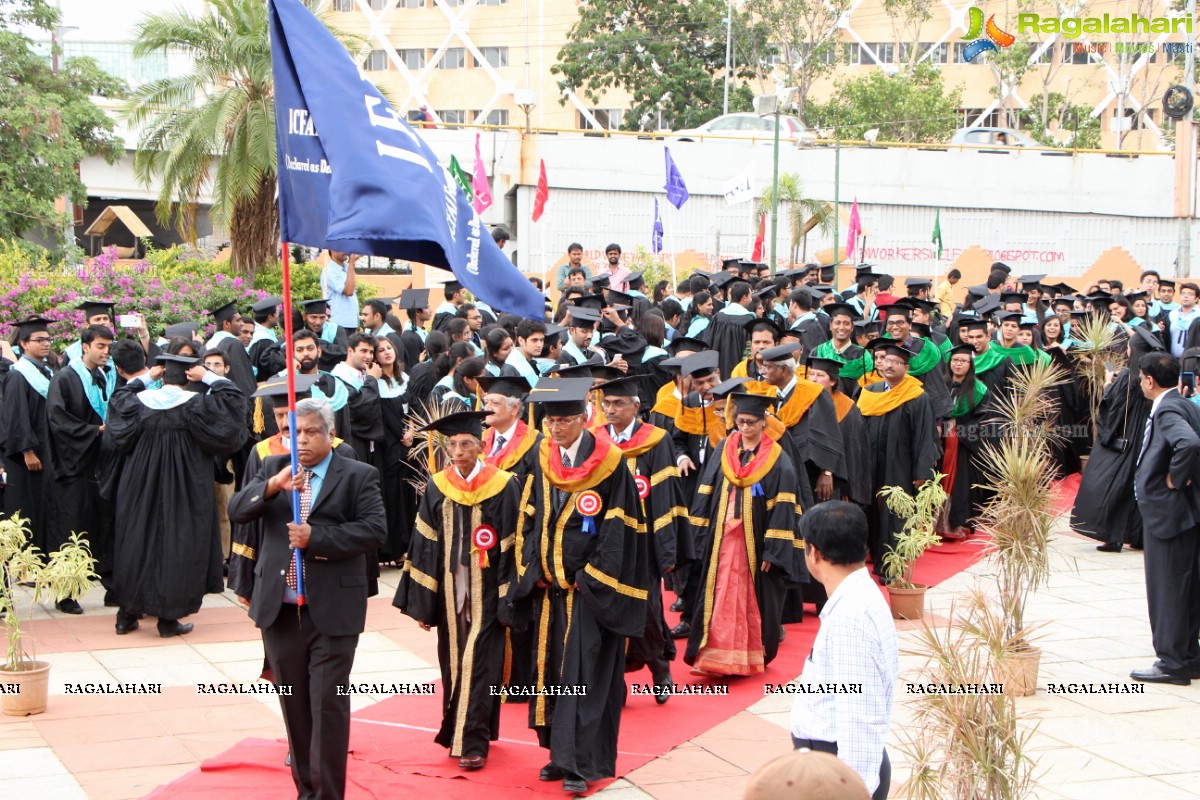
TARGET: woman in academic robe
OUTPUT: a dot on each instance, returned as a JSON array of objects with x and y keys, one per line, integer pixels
[
  {"x": 399, "y": 493},
  {"x": 459, "y": 391},
  {"x": 962, "y": 446},
  {"x": 1105, "y": 508}
]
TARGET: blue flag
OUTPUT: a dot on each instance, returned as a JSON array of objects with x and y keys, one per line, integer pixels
[
  {"x": 353, "y": 176},
  {"x": 677, "y": 192},
  {"x": 656, "y": 233}
]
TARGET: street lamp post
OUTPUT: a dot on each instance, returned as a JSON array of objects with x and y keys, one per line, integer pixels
[
  {"x": 775, "y": 194},
  {"x": 728, "y": 53}
]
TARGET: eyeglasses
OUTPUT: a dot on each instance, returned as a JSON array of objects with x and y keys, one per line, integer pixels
[
  {"x": 748, "y": 423},
  {"x": 40, "y": 340},
  {"x": 893, "y": 361},
  {"x": 560, "y": 422},
  {"x": 606, "y": 403}
]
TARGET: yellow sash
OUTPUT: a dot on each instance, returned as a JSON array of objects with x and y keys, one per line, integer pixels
[
  {"x": 876, "y": 404},
  {"x": 487, "y": 484},
  {"x": 803, "y": 396}
]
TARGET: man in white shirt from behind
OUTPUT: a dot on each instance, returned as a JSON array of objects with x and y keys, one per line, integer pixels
[{"x": 855, "y": 654}]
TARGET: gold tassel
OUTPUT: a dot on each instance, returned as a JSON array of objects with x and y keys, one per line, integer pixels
[{"x": 260, "y": 423}]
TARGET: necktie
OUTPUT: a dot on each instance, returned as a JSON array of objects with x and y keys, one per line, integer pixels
[
  {"x": 566, "y": 460},
  {"x": 560, "y": 497},
  {"x": 305, "y": 507},
  {"x": 1146, "y": 437},
  {"x": 500, "y": 442}
]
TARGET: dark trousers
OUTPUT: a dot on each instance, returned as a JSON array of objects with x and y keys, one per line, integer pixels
[
  {"x": 316, "y": 716},
  {"x": 885, "y": 764},
  {"x": 1173, "y": 597}
]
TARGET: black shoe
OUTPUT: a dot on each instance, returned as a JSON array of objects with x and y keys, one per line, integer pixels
[
  {"x": 69, "y": 606},
  {"x": 1156, "y": 675},
  {"x": 662, "y": 692},
  {"x": 574, "y": 785},
  {"x": 1109, "y": 548},
  {"x": 126, "y": 623},
  {"x": 681, "y": 631},
  {"x": 677, "y": 606},
  {"x": 173, "y": 627},
  {"x": 552, "y": 772}
]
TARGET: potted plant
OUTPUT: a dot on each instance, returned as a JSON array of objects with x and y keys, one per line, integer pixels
[
  {"x": 66, "y": 574},
  {"x": 1019, "y": 472},
  {"x": 1096, "y": 342},
  {"x": 967, "y": 744},
  {"x": 920, "y": 514}
]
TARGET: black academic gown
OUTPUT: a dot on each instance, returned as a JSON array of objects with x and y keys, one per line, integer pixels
[
  {"x": 1105, "y": 508},
  {"x": 168, "y": 548},
  {"x": 855, "y": 485},
  {"x": 966, "y": 495},
  {"x": 398, "y": 474},
  {"x": 770, "y": 531},
  {"x": 414, "y": 345},
  {"x": 903, "y": 449},
  {"x": 26, "y": 427},
  {"x": 596, "y": 597},
  {"x": 726, "y": 333},
  {"x": 333, "y": 353},
  {"x": 450, "y": 584},
  {"x": 76, "y": 452},
  {"x": 267, "y": 358}
]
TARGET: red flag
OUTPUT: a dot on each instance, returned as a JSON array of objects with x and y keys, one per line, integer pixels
[
  {"x": 543, "y": 193},
  {"x": 855, "y": 230},
  {"x": 758, "y": 240}
]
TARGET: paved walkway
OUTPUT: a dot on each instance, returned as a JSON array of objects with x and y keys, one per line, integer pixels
[{"x": 123, "y": 746}]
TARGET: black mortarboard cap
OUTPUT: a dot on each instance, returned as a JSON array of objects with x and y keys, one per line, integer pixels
[
  {"x": 780, "y": 352},
  {"x": 1031, "y": 280},
  {"x": 766, "y": 291},
  {"x": 755, "y": 405},
  {"x": 867, "y": 324},
  {"x": 278, "y": 387},
  {"x": 1063, "y": 301},
  {"x": 625, "y": 386},
  {"x": 1064, "y": 288},
  {"x": 592, "y": 301},
  {"x": 1005, "y": 316},
  {"x": 845, "y": 309},
  {"x": 761, "y": 323},
  {"x": 470, "y": 422},
  {"x": 1138, "y": 295},
  {"x": 583, "y": 370},
  {"x": 616, "y": 298},
  {"x": 1161, "y": 282},
  {"x": 187, "y": 361},
  {"x": 186, "y": 330},
  {"x": 91, "y": 308},
  {"x": 899, "y": 309},
  {"x": 918, "y": 282},
  {"x": 726, "y": 386},
  {"x": 564, "y": 397},
  {"x": 688, "y": 343},
  {"x": 864, "y": 268},
  {"x": 988, "y": 304},
  {"x": 319, "y": 306},
  {"x": 828, "y": 365},
  {"x": 699, "y": 364},
  {"x": 1013, "y": 297},
  {"x": 927, "y": 306},
  {"x": 828, "y": 273},
  {"x": 225, "y": 312},
  {"x": 267, "y": 304},
  {"x": 1081, "y": 314},
  {"x": 507, "y": 385},
  {"x": 892, "y": 347},
  {"x": 921, "y": 329},
  {"x": 635, "y": 277},
  {"x": 584, "y": 316},
  {"x": 413, "y": 299},
  {"x": 1029, "y": 324},
  {"x": 972, "y": 323},
  {"x": 723, "y": 279},
  {"x": 452, "y": 285},
  {"x": 554, "y": 329},
  {"x": 980, "y": 290},
  {"x": 32, "y": 325},
  {"x": 962, "y": 349},
  {"x": 601, "y": 280},
  {"x": 1149, "y": 339}
]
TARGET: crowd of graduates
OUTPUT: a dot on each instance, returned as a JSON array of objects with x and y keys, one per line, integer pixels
[{"x": 547, "y": 483}]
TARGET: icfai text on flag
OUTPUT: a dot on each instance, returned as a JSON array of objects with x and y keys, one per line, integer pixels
[{"x": 354, "y": 177}]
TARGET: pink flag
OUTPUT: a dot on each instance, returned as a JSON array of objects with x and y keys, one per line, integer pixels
[
  {"x": 855, "y": 230},
  {"x": 479, "y": 182}
]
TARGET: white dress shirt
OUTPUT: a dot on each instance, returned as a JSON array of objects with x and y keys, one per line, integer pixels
[
  {"x": 572, "y": 452},
  {"x": 855, "y": 648},
  {"x": 622, "y": 436}
]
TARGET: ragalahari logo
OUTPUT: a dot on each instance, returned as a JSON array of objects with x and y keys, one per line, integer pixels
[{"x": 994, "y": 40}]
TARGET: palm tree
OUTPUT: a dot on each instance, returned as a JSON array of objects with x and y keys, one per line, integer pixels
[
  {"x": 802, "y": 213},
  {"x": 222, "y": 110}
]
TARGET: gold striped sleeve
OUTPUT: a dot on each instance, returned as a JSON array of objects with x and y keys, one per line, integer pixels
[
  {"x": 782, "y": 497},
  {"x": 779, "y": 533},
  {"x": 699, "y": 522},
  {"x": 662, "y": 475},
  {"x": 669, "y": 517},
  {"x": 633, "y": 522},
  {"x": 426, "y": 530},
  {"x": 704, "y": 488},
  {"x": 244, "y": 550},
  {"x": 507, "y": 542},
  {"x": 420, "y": 578},
  {"x": 616, "y": 585},
  {"x": 798, "y": 543},
  {"x": 503, "y": 589}
]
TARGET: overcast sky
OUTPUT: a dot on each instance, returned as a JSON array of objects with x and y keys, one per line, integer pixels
[{"x": 114, "y": 20}]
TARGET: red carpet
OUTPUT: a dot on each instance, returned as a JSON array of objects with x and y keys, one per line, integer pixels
[{"x": 392, "y": 748}]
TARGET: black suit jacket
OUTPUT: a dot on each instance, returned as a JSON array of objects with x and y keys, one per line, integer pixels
[
  {"x": 348, "y": 523},
  {"x": 1173, "y": 449}
]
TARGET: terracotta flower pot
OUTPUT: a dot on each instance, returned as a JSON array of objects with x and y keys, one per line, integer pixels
[
  {"x": 31, "y": 688},
  {"x": 908, "y": 603},
  {"x": 1019, "y": 672}
]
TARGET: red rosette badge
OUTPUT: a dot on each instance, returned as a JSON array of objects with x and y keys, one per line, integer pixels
[
  {"x": 588, "y": 504},
  {"x": 643, "y": 486},
  {"x": 483, "y": 539}
]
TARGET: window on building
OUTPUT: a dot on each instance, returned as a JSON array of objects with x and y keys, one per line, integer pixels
[
  {"x": 497, "y": 116},
  {"x": 496, "y": 56},
  {"x": 453, "y": 58},
  {"x": 376, "y": 61},
  {"x": 609, "y": 119},
  {"x": 454, "y": 2},
  {"x": 936, "y": 52},
  {"x": 851, "y": 53},
  {"x": 343, "y": 5},
  {"x": 1045, "y": 58},
  {"x": 379, "y": 5},
  {"x": 774, "y": 55},
  {"x": 413, "y": 59},
  {"x": 884, "y": 51},
  {"x": 452, "y": 116},
  {"x": 1070, "y": 55},
  {"x": 411, "y": 4},
  {"x": 491, "y": 2},
  {"x": 969, "y": 118},
  {"x": 958, "y": 53},
  {"x": 905, "y": 51}
]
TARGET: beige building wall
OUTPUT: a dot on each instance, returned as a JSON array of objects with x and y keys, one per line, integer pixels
[{"x": 474, "y": 61}]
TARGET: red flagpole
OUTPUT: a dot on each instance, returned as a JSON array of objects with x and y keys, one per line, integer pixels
[{"x": 297, "y": 553}]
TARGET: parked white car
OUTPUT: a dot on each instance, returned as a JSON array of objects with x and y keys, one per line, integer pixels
[
  {"x": 748, "y": 126},
  {"x": 992, "y": 137}
]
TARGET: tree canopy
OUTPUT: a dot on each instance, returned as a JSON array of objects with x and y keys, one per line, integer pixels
[
  {"x": 48, "y": 122},
  {"x": 911, "y": 106}
]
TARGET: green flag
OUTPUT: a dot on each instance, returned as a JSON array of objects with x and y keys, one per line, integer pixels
[
  {"x": 462, "y": 178},
  {"x": 937, "y": 232}
]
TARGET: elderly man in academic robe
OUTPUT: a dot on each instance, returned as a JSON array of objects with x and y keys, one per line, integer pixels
[
  {"x": 583, "y": 576},
  {"x": 456, "y": 579}
]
